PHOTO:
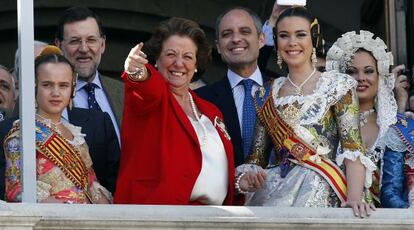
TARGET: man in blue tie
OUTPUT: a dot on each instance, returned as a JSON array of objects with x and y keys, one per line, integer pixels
[
  {"x": 81, "y": 37},
  {"x": 238, "y": 40}
]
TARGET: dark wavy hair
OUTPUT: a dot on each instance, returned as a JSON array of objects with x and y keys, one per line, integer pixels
[
  {"x": 180, "y": 27},
  {"x": 76, "y": 14},
  {"x": 300, "y": 11}
]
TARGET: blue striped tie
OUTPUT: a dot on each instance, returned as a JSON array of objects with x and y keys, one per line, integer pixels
[
  {"x": 249, "y": 116},
  {"x": 90, "y": 89}
]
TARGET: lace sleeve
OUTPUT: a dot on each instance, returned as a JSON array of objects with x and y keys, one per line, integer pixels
[
  {"x": 99, "y": 193},
  {"x": 346, "y": 112},
  {"x": 78, "y": 136},
  {"x": 393, "y": 141},
  {"x": 42, "y": 190}
]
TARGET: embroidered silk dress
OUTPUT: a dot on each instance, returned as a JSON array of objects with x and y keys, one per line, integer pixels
[
  {"x": 322, "y": 119},
  {"x": 397, "y": 189},
  {"x": 52, "y": 179}
]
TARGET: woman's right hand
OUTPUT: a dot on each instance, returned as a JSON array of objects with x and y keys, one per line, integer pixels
[
  {"x": 360, "y": 209},
  {"x": 134, "y": 64},
  {"x": 252, "y": 181}
]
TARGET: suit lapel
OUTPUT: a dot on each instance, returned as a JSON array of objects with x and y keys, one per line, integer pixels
[
  {"x": 115, "y": 96},
  {"x": 225, "y": 102},
  {"x": 76, "y": 118},
  {"x": 265, "y": 78},
  {"x": 228, "y": 107}
]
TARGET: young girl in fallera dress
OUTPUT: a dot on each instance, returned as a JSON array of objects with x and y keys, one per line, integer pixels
[{"x": 63, "y": 166}]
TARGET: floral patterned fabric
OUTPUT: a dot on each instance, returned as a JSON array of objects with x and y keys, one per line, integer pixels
[
  {"x": 51, "y": 181},
  {"x": 323, "y": 119}
]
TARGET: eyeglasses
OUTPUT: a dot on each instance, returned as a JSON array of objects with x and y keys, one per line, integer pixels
[{"x": 91, "y": 42}]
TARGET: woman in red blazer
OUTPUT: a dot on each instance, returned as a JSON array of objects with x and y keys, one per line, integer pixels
[{"x": 175, "y": 147}]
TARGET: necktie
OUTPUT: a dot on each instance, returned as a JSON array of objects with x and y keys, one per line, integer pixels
[
  {"x": 249, "y": 116},
  {"x": 90, "y": 89}
]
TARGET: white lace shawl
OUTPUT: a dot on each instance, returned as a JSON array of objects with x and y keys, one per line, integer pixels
[
  {"x": 340, "y": 56},
  {"x": 78, "y": 136},
  {"x": 330, "y": 88},
  {"x": 393, "y": 141}
]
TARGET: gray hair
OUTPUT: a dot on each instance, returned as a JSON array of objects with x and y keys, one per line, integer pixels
[
  {"x": 37, "y": 44},
  {"x": 13, "y": 82},
  {"x": 256, "y": 19}
]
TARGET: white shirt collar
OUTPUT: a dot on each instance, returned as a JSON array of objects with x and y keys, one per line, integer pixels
[
  {"x": 235, "y": 79},
  {"x": 81, "y": 83}
]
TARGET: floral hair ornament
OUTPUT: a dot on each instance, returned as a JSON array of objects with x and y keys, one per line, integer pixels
[
  {"x": 316, "y": 32},
  {"x": 340, "y": 55},
  {"x": 50, "y": 50}
]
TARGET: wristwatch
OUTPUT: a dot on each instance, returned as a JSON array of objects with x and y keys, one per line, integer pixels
[{"x": 137, "y": 75}]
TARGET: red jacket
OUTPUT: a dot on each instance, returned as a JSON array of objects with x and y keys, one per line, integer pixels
[{"x": 160, "y": 154}]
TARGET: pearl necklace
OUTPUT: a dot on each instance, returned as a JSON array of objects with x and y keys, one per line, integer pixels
[
  {"x": 363, "y": 117},
  {"x": 194, "y": 109},
  {"x": 298, "y": 88}
]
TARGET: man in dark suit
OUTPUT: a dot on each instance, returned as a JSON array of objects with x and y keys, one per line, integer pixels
[
  {"x": 238, "y": 40},
  {"x": 100, "y": 137},
  {"x": 81, "y": 37}
]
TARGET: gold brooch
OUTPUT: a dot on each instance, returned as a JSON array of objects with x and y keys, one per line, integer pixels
[
  {"x": 291, "y": 114},
  {"x": 222, "y": 127},
  {"x": 262, "y": 92},
  {"x": 404, "y": 122}
]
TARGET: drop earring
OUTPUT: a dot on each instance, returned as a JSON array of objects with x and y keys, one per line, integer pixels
[
  {"x": 70, "y": 104},
  {"x": 313, "y": 58},
  {"x": 74, "y": 81},
  {"x": 279, "y": 60}
]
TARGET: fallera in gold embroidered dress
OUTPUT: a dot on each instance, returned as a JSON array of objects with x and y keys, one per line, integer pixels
[
  {"x": 56, "y": 176},
  {"x": 323, "y": 119}
]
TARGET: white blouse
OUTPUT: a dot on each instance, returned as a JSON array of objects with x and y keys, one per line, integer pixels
[{"x": 212, "y": 182}]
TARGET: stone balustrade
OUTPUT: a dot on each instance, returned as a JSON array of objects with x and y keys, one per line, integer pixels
[{"x": 64, "y": 216}]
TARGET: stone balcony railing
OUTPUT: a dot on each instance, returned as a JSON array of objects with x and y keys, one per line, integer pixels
[{"x": 61, "y": 216}]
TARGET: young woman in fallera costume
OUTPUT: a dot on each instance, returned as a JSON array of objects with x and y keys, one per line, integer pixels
[{"x": 306, "y": 115}]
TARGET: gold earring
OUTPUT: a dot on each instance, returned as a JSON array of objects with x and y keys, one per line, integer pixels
[
  {"x": 70, "y": 104},
  {"x": 313, "y": 58},
  {"x": 75, "y": 80},
  {"x": 279, "y": 60}
]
